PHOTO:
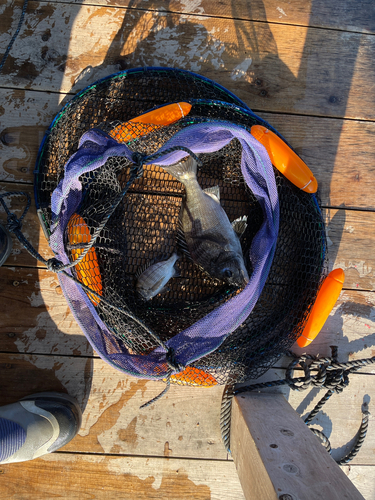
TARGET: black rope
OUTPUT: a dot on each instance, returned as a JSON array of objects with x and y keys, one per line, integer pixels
[
  {"x": 174, "y": 366},
  {"x": 330, "y": 374},
  {"x": 360, "y": 438},
  {"x": 7, "y": 50},
  {"x": 323, "y": 439},
  {"x": 225, "y": 415},
  {"x": 163, "y": 392}
]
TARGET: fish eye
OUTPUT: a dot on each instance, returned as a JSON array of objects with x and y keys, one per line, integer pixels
[{"x": 228, "y": 273}]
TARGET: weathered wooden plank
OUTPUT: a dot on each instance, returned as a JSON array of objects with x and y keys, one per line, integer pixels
[
  {"x": 272, "y": 67},
  {"x": 35, "y": 315},
  {"x": 76, "y": 476},
  {"x": 310, "y": 13},
  {"x": 47, "y": 326},
  {"x": 348, "y": 236},
  {"x": 363, "y": 478},
  {"x": 184, "y": 423},
  {"x": 278, "y": 456},
  {"x": 102, "y": 477},
  {"x": 339, "y": 152},
  {"x": 24, "y": 118}
]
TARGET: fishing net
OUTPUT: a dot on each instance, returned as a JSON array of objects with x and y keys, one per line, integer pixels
[{"x": 110, "y": 210}]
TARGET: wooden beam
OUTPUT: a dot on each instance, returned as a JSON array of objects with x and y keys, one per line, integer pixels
[{"x": 278, "y": 457}]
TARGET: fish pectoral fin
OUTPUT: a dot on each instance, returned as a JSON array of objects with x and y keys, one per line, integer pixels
[
  {"x": 165, "y": 289},
  {"x": 214, "y": 192},
  {"x": 239, "y": 225},
  {"x": 176, "y": 273}
]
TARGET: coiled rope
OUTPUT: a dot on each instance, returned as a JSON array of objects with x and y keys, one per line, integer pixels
[{"x": 329, "y": 374}]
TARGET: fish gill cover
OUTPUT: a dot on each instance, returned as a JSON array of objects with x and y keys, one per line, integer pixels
[{"x": 218, "y": 332}]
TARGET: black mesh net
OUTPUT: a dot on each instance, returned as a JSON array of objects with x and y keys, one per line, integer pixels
[{"x": 142, "y": 230}]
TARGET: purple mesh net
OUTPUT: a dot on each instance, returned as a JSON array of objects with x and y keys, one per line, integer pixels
[{"x": 206, "y": 335}]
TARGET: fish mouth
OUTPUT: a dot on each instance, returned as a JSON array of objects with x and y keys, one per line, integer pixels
[
  {"x": 241, "y": 281},
  {"x": 244, "y": 279}
]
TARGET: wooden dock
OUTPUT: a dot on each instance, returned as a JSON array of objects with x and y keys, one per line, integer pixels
[{"x": 308, "y": 68}]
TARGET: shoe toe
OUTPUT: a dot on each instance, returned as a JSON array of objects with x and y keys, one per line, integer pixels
[{"x": 48, "y": 420}]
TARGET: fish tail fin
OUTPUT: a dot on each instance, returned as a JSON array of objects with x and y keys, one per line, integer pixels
[{"x": 183, "y": 170}]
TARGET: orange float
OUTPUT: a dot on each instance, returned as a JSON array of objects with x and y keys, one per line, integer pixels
[
  {"x": 325, "y": 300},
  {"x": 193, "y": 376},
  {"x": 143, "y": 124},
  {"x": 88, "y": 271},
  {"x": 285, "y": 159}
]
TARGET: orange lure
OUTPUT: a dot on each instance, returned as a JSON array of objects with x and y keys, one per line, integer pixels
[
  {"x": 142, "y": 125},
  {"x": 285, "y": 159},
  {"x": 325, "y": 300},
  {"x": 87, "y": 270}
]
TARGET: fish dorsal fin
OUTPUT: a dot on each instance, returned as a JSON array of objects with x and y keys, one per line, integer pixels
[
  {"x": 239, "y": 225},
  {"x": 214, "y": 192},
  {"x": 142, "y": 269}
]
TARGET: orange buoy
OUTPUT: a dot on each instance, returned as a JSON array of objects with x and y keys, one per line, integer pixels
[
  {"x": 143, "y": 124},
  {"x": 285, "y": 159},
  {"x": 88, "y": 271},
  {"x": 193, "y": 376},
  {"x": 325, "y": 300}
]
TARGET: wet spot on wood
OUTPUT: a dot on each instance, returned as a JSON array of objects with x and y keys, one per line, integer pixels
[
  {"x": 109, "y": 417},
  {"x": 40, "y": 334},
  {"x": 46, "y": 35},
  {"x": 356, "y": 309},
  {"x": 25, "y": 70},
  {"x": 111, "y": 478},
  {"x": 167, "y": 450},
  {"x": 334, "y": 100},
  {"x": 129, "y": 434}
]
